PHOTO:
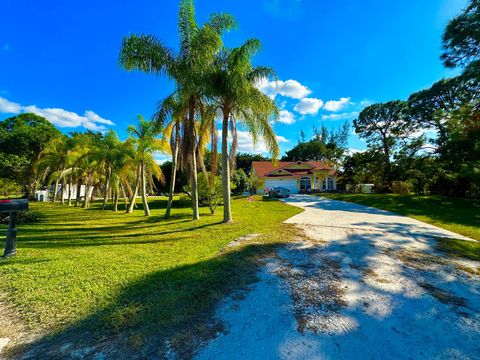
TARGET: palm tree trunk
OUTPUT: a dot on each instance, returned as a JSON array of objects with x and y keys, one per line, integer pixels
[
  {"x": 62, "y": 200},
  {"x": 125, "y": 199},
  {"x": 173, "y": 175},
  {"x": 193, "y": 165},
  {"x": 85, "y": 198},
  {"x": 79, "y": 189},
  {"x": 134, "y": 195},
  {"x": 91, "y": 197},
  {"x": 70, "y": 192},
  {"x": 55, "y": 190},
  {"x": 115, "y": 200},
  {"x": 194, "y": 182},
  {"x": 227, "y": 210},
  {"x": 146, "y": 210},
  {"x": 107, "y": 187}
]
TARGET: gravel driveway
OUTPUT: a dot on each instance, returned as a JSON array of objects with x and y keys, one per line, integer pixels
[{"x": 361, "y": 283}]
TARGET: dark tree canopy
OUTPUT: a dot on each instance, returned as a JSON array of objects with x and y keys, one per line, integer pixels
[
  {"x": 22, "y": 138},
  {"x": 431, "y": 107},
  {"x": 325, "y": 145},
  {"x": 244, "y": 161},
  {"x": 461, "y": 39}
]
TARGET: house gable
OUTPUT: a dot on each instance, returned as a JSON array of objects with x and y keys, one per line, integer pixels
[
  {"x": 279, "y": 172},
  {"x": 298, "y": 165}
]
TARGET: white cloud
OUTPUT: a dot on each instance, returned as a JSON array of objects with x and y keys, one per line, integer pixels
[
  {"x": 245, "y": 142},
  {"x": 352, "y": 151},
  {"x": 286, "y": 117},
  {"x": 308, "y": 106},
  {"x": 342, "y": 116},
  {"x": 59, "y": 117},
  {"x": 337, "y": 105},
  {"x": 160, "y": 157},
  {"x": 290, "y": 88},
  {"x": 9, "y": 107}
]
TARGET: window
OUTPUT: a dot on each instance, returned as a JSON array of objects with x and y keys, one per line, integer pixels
[
  {"x": 305, "y": 184},
  {"x": 330, "y": 184}
]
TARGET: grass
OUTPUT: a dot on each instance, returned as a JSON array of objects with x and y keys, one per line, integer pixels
[
  {"x": 461, "y": 216},
  {"x": 112, "y": 274},
  {"x": 460, "y": 248}
]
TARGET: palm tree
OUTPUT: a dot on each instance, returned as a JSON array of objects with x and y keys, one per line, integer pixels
[
  {"x": 53, "y": 161},
  {"x": 198, "y": 46},
  {"x": 112, "y": 153},
  {"x": 239, "y": 100},
  {"x": 146, "y": 144},
  {"x": 171, "y": 108}
]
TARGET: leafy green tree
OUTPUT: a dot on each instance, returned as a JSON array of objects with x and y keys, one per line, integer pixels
[
  {"x": 235, "y": 94},
  {"x": 326, "y": 145},
  {"x": 461, "y": 38},
  {"x": 383, "y": 126},
  {"x": 240, "y": 181},
  {"x": 187, "y": 67},
  {"x": 244, "y": 161},
  {"x": 22, "y": 139},
  {"x": 432, "y": 107}
]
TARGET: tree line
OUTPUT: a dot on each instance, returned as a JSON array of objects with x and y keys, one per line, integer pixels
[{"x": 430, "y": 142}]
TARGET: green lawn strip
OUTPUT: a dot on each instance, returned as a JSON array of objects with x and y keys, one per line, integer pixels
[
  {"x": 460, "y": 248},
  {"x": 115, "y": 273},
  {"x": 461, "y": 216}
]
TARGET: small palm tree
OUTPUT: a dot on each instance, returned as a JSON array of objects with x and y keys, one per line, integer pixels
[
  {"x": 239, "y": 100},
  {"x": 146, "y": 144},
  {"x": 171, "y": 108}
]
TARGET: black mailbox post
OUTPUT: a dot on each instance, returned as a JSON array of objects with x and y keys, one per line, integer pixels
[{"x": 12, "y": 207}]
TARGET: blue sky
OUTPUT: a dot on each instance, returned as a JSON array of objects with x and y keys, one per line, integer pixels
[{"x": 60, "y": 58}]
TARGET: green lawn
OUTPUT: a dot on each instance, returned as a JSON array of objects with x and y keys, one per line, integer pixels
[
  {"x": 118, "y": 274},
  {"x": 461, "y": 216}
]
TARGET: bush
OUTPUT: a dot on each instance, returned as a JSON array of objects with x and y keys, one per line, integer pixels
[
  {"x": 207, "y": 195},
  {"x": 25, "y": 217},
  {"x": 401, "y": 187},
  {"x": 9, "y": 187},
  {"x": 240, "y": 182}
]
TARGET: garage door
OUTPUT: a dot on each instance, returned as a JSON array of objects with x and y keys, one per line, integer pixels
[{"x": 290, "y": 184}]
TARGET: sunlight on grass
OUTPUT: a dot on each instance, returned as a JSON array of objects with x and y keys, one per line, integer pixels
[
  {"x": 102, "y": 270},
  {"x": 460, "y": 248}
]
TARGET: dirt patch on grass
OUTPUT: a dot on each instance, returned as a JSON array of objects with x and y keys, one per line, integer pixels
[{"x": 314, "y": 282}]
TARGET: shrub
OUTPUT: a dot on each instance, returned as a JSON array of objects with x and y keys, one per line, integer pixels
[
  {"x": 240, "y": 182},
  {"x": 401, "y": 187},
  {"x": 25, "y": 217},
  {"x": 207, "y": 195}
]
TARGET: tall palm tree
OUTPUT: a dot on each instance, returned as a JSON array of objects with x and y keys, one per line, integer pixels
[
  {"x": 198, "y": 46},
  {"x": 146, "y": 144},
  {"x": 241, "y": 103}
]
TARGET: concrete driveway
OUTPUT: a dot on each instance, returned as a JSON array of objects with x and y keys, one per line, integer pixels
[{"x": 361, "y": 283}]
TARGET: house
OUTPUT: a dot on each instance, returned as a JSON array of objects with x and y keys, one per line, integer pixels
[{"x": 297, "y": 176}]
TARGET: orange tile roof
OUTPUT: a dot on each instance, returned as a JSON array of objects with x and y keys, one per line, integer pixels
[{"x": 263, "y": 168}]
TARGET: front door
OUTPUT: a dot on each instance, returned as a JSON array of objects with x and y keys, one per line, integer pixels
[{"x": 305, "y": 184}]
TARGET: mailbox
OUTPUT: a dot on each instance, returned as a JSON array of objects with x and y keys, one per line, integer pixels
[{"x": 12, "y": 206}]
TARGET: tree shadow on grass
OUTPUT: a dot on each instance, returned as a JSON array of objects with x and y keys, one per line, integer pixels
[{"x": 175, "y": 304}]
